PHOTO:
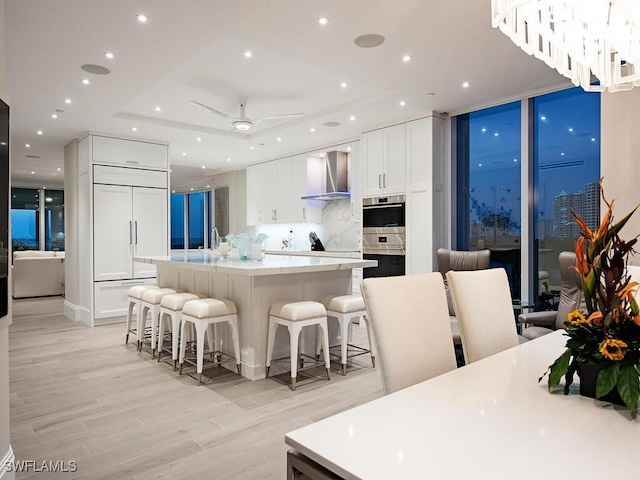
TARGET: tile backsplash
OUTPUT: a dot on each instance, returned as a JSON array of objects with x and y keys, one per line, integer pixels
[{"x": 339, "y": 231}]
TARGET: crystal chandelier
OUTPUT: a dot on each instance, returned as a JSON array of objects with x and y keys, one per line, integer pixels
[{"x": 581, "y": 39}]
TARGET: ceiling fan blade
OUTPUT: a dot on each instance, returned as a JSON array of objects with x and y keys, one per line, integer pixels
[
  {"x": 274, "y": 117},
  {"x": 212, "y": 110}
]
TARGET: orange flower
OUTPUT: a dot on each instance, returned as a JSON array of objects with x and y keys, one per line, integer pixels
[
  {"x": 595, "y": 318},
  {"x": 583, "y": 226},
  {"x": 613, "y": 349},
  {"x": 583, "y": 267},
  {"x": 627, "y": 292},
  {"x": 576, "y": 318}
]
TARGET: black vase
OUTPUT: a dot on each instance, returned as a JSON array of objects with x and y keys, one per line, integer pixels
[{"x": 588, "y": 374}]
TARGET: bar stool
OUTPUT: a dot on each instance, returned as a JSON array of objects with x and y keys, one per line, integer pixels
[
  {"x": 204, "y": 314},
  {"x": 345, "y": 308},
  {"x": 135, "y": 295},
  {"x": 171, "y": 311},
  {"x": 151, "y": 302},
  {"x": 295, "y": 316}
]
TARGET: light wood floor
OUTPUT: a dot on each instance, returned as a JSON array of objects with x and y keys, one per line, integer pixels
[{"x": 81, "y": 394}]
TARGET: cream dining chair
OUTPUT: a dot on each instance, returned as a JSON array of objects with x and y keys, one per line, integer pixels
[
  {"x": 482, "y": 302},
  {"x": 410, "y": 322}
]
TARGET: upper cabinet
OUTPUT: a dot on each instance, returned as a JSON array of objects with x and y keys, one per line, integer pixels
[
  {"x": 383, "y": 161},
  {"x": 274, "y": 191},
  {"x": 129, "y": 153}
]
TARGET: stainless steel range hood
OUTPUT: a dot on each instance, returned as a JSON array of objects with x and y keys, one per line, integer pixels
[{"x": 337, "y": 180}]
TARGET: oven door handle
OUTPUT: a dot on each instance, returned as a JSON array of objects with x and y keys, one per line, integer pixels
[{"x": 383, "y": 205}]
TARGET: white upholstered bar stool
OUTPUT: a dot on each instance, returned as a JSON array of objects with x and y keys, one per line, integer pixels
[
  {"x": 345, "y": 308},
  {"x": 171, "y": 315},
  {"x": 150, "y": 302},
  {"x": 295, "y": 316},
  {"x": 135, "y": 296},
  {"x": 204, "y": 314}
]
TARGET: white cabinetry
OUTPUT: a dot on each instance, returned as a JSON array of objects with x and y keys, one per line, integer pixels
[
  {"x": 130, "y": 221},
  {"x": 274, "y": 191},
  {"x": 125, "y": 215},
  {"x": 427, "y": 215},
  {"x": 383, "y": 161}
]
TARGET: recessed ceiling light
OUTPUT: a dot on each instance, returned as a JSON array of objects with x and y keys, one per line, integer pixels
[
  {"x": 406, "y": 58},
  {"x": 543, "y": 117},
  {"x": 312, "y": 129},
  {"x": 323, "y": 20},
  {"x": 135, "y": 129},
  {"x": 33, "y": 173},
  {"x": 562, "y": 154},
  {"x": 484, "y": 130},
  {"x": 173, "y": 191},
  {"x": 59, "y": 169},
  {"x": 157, "y": 109},
  {"x": 54, "y": 115},
  {"x": 248, "y": 54},
  {"x": 348, "y": 149},
  {"x": 39, "y": 132},
  {"x": 466, "y": 85},
  {"x": 198, "y": 139},
  {"x": 109, "y": 55},
  {"x": 343, "y": 85},
  {"x": 593, "y": 139},
  {"x": 170, "y": 170},
  {"x": 192, "y": 189},
  {"x": 67, "y": 100},
  {"x": 228, "y": 159},
  {"x": 4, "y": 144},
  {"x": 479, "y": 164},
  {"x": 352, "y": 118},
  {"x": 27, "y": 145},
  {"x": 208, "y": 186},
  {"x": 496, "y": 134},
  {"x": 184, "y": 154},
  {"x": 202, "y": 166},
  {"x": 251, "y": 147},
  {"x": 86, "y": 81},
  {"x": 570, "y": 129},
  {"x": 515, "y": 159},
  {"x": 279, "y": 139},
  {"x": 142, "y": 18},
  {"x": 402, "y": 103}
]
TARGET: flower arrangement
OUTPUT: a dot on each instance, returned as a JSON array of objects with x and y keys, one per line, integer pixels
[{"x": 608, "y": 334}]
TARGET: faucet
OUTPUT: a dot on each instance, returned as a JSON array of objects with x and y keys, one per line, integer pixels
[{"x": 215, "y": 238}]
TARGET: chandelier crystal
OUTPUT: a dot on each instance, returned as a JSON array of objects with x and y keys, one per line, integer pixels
[{"x": 581, "y": 39}]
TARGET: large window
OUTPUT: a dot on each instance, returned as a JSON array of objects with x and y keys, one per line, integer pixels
[
  {"x": 567, "y": 170},
  {"x": 489, "y": 217},
  {"x": 54, "y": 220},
  {"x": 562, "y": 170},
  {"x": 190, "y": 219},
  {"x": 25, "y": 208}
]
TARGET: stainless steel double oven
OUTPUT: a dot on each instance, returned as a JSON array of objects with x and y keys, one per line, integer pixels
[{"x": 383, "y": 235}]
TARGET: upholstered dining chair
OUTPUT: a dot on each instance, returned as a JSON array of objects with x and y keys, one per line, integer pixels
[
  {"x": 482, "y": 302},
  {"x": 571, "y": 298},
  {"x": 459, "y": 260},
  {"x": 410, "y": 322}
]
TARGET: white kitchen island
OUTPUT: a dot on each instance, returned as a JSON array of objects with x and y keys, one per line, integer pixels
[{"x": 253, "y": 286}]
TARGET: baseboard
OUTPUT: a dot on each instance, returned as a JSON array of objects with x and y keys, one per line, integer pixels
[
  {"x": 85, "y": 316},
  {"x": 6, "y": 472},
  {"x": 71, "y": 311}
]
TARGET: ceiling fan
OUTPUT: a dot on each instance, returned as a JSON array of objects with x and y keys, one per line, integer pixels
[{"x": 243, "y": 123}]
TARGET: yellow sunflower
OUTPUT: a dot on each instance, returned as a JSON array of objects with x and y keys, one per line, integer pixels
[
  {"x": 613, "y": 349},
  {"x": 576, "y": 318}
]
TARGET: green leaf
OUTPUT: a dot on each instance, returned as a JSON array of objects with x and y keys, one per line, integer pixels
[
  {"x": 607, "y": 379},
  {"x": 559, "y": 368},
  {"x": 628, "y": 385}
]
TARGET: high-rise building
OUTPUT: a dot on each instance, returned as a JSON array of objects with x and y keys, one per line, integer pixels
[
  {"x": 591, "y": 205},
  {"x": 564, "y": 226}
]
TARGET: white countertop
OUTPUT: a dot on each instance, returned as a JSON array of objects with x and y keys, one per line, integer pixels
[
  {"x": 488, "y": 420},
  {"x": 269, "y": 265}
]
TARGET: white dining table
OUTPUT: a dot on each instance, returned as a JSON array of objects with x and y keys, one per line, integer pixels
[{"x": 487, "y": 420}]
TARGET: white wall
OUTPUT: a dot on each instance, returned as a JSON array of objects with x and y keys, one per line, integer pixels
[
  {"x": 71, "y": 234},
  {"x": 5, "y": 446},
  {"x": 620, "y": 155}
]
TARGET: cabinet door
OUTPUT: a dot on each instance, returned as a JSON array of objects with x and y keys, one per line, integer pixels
[
  {"x": 394, "y": 175},
  {"x": 276, "y": 191},
  {"x": 150, "y": 220},
  {"x": 112, "y": 232},
  {"x": 255, "y": 206},
  {"x": 372, "y": 162},
  {"x": 304, "y": 173},
  {"x": 130, "y": 153}
]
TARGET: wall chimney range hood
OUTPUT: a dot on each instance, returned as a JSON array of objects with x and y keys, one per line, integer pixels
[{"x": 337, "y": 180}]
